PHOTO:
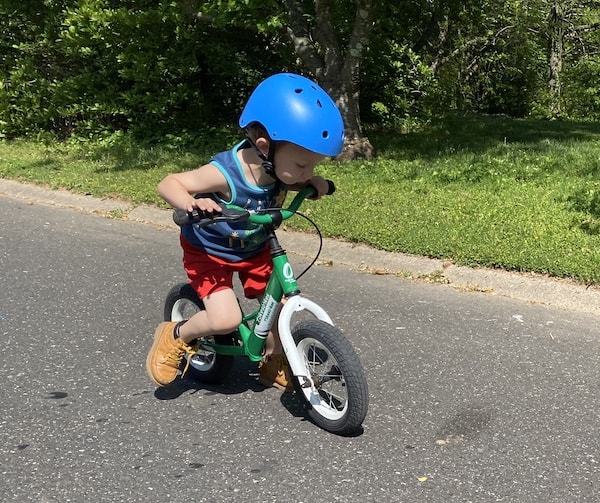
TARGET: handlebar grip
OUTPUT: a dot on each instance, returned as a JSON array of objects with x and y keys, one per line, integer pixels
[
  {"x": 182, "y": 217},
  {"x": 203, "y": 218}
]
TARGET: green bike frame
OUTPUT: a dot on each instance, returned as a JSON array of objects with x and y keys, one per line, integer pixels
[{"x": 255, "y": 327}]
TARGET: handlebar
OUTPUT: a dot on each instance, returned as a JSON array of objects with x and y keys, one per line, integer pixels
[{"x": 232, "y": 213}]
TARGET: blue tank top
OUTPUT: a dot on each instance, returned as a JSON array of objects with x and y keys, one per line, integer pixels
[{"x": 235, "y": 241}]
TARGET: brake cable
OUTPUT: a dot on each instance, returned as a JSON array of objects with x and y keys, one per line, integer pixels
[{"x": 313, "y": 223}]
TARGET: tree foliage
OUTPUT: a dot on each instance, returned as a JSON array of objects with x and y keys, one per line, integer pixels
[
  {"x": 91, "y": 66},
  {"x": 94, "y": 65}
]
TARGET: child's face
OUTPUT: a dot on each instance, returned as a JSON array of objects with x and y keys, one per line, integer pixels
[{"x": 295, "y": 164}]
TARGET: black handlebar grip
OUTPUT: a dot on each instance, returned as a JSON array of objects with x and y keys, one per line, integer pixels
[
  {"x": 181, "y": 217},
  {"x": 203, "y": 218}
]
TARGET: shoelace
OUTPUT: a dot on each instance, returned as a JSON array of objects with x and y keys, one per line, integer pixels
[{"x": 176, "y": 354}]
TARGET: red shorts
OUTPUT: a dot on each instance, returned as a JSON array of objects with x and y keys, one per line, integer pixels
[{"x": 209, "y": 274}]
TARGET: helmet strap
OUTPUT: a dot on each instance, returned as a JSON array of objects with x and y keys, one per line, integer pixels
[{"x": 268, "y": 161}]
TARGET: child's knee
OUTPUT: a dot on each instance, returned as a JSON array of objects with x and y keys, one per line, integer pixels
[
  {"x": 227, "y": 322},
  {"x": 223, "y": 311},
  {"x": 226, "y": 328}
]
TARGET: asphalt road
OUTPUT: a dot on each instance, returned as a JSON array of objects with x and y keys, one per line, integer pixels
[{"x": 473, "y": 397}]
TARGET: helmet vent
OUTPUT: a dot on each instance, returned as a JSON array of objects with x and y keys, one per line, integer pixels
[
  {"x": 325, "y": 134},
  {"x": 319, "y": 104},
  {"x": 298, "y": 90}
]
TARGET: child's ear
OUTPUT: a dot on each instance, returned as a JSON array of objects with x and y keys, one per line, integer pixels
[{"x": 262, "y": 144}]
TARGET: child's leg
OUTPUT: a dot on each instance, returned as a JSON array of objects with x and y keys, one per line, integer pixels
[{"x": 221, "y": 315}]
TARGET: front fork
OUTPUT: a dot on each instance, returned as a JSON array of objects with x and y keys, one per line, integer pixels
[{"x": 295, "y": 304}]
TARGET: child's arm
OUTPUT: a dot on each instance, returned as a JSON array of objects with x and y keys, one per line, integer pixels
[{"x": 178, "y": 189}]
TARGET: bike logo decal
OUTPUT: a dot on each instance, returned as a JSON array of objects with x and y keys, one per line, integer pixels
[{"x": 287, "y": 272}]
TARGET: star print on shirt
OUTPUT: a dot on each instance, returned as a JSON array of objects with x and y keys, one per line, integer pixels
[{"x": 233, "y": 237}]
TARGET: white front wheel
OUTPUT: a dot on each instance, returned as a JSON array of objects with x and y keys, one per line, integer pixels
[{"x": 336, "y": 393}]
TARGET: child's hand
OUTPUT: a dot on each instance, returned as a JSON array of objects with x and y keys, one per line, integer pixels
[
  {"x": 320, "y": 184},
  {"x": 203, "y": 204}
]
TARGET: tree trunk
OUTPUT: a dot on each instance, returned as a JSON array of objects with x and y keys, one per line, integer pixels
[
  {"x": 336, "y": 70},
  {"x": 555, "y": 60}
]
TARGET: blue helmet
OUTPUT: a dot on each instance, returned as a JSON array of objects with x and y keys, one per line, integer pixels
[{"x": 293, "y": 108}]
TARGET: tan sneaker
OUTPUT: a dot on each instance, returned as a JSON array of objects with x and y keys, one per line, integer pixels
[
  {"x": 274, "y": 372},
  {"x": 165, "y": 354}
]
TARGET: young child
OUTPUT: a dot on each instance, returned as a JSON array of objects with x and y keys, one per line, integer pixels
[{"x": 291, "y": 125}]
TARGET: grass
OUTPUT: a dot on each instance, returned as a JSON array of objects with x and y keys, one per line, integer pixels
[{"x": 514, "y": 194}]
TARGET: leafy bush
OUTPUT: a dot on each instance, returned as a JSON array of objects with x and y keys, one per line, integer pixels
[
  {"x": 95, "y": 66},
  {"x": 582, "y": 92}
]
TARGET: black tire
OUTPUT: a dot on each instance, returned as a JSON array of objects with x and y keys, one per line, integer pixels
[
  {"x": 181, "y": 303},
  {"x": 343, "y": 396}
]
